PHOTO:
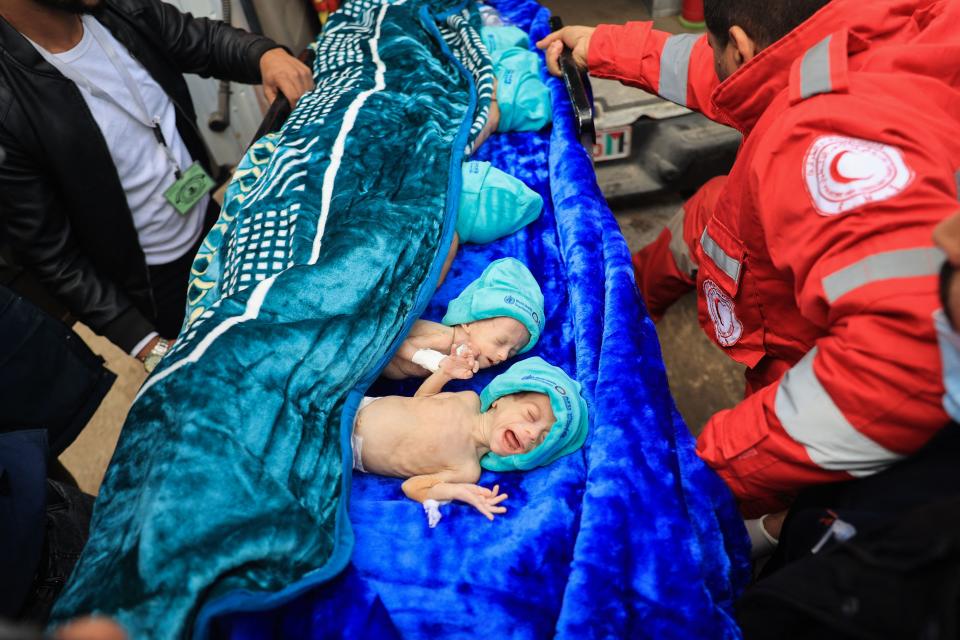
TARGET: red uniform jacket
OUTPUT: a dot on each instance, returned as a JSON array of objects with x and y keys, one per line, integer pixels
[{"x": 814, "y": 262}]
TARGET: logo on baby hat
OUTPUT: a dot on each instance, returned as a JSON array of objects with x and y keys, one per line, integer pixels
[
  {"x": 721, "y": 309},
  {"x": 845, "y": 173},
  {"x": 523, "y": 305}
]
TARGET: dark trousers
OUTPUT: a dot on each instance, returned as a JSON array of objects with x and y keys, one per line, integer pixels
[
  {"x": 169, "y": 282},
  {"x": 49, "y": 379},
  {"x": 65, "y": 532},
  {"x": 897, "y": 577},
  {"x": 930, "y": 475},
  {"x": 50, "y": 385}
]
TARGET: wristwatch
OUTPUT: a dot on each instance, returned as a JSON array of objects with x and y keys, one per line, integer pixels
[{"x": 156, "y": 354}]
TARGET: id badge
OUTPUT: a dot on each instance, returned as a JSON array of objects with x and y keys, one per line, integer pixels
[{"x": 194, "y": 183}]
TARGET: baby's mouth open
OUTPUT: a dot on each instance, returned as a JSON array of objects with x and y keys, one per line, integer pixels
[{"x": 512, "y": 441}]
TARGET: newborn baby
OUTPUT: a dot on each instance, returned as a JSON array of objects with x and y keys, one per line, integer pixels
[
  {"x": 527, "y": 417},
  {"x": 499, "y": 315},
  {"x": 492, "y": 205}
]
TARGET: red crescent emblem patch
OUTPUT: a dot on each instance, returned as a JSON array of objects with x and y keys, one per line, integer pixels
[
  {"x": 722, "y": 312},
  {"x": 844, "y": 173}
]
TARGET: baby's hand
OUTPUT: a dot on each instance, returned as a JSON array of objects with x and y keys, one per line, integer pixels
[
  {"x": 460, "y": 364},
  {"x": 482, "y": 499}
]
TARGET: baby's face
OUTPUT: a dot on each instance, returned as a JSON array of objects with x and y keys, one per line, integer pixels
[
  {"x": 495, "y": 340},
  {"x": 521, "y": 422}
]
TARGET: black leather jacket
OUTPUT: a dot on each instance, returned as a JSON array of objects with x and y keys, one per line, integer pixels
[{"x": 63, "y": 210}]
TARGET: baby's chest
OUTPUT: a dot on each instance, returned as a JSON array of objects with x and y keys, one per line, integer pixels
[{"x": 443, "y": 441}]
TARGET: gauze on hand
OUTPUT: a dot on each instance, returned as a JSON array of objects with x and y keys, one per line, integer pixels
[{"x": 428, "y": 359}]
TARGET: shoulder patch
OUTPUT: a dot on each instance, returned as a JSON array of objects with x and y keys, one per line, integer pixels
[{"x": 845, "y": 173}]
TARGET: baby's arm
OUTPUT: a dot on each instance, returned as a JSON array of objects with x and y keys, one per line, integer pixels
[
  {"x": 441, "y": 486},
  {"x": 433, "y": 384},
  {"x": 451, "y": 254}
]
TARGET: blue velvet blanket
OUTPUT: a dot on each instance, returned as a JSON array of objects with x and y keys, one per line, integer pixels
[
  {"x": 230, "y": 508},
  {"x": 633, "y": 537}
]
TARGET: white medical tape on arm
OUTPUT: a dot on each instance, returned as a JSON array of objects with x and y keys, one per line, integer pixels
[{"x": 428, "y": 359}]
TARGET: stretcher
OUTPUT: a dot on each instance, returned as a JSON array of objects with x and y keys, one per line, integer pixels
[{"x": 230, "y": 509}]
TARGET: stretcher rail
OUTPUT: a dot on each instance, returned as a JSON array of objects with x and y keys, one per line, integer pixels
[{"x": 577, "y": 90}]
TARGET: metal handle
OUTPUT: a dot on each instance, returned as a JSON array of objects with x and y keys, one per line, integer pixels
[{"x": 577, "y": 90}]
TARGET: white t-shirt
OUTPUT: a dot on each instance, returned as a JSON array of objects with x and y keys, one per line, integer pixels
[{"x": 142, "y": 165}]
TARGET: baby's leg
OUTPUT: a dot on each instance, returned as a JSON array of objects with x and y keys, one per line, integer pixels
[{"x": 450, "y": 256}]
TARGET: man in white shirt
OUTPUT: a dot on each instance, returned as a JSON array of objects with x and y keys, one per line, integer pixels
[{"x": 104, "y": 194}]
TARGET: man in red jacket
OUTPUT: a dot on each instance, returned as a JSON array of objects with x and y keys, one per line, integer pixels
[{"x": 813, "y": 259}]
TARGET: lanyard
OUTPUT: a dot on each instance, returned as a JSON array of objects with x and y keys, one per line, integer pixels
[{"x": 144, "y": 118}]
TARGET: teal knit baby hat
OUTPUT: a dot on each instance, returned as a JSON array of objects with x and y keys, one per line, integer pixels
[
  {"x": 523, "y": 98},
  {"x": 497, "y": 38},
  {"x": 493, "y": 204},
  {"x": 505, "y": 288},
  {"x": 569, "y": 431}
]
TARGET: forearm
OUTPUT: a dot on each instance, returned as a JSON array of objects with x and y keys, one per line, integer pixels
[
  {"x": 406, "y": 351},
  {"x": 840, "y": 412},
  {"x": 433, "y": 384},
  {"x": 676, "y": 67},
  {"x": 418, "y": 488}
]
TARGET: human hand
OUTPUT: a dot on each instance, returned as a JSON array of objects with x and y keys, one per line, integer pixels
[
  {"x": 461, "y": 364},
  {"x": 480, "y": 498},
  {"x": 282, "y": 72},
  {"x": 577, "y": 38},
  {"x": 773, "y": 523}
]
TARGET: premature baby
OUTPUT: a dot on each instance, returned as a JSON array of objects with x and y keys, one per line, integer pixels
[
  {"x": 492, "y": 205},
  {"x": 527, "y": 417},
  {"x": 499, "y": 315}
]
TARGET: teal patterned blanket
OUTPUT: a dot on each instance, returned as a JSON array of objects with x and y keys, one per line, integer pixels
[{"x": 229, "y": 476}]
